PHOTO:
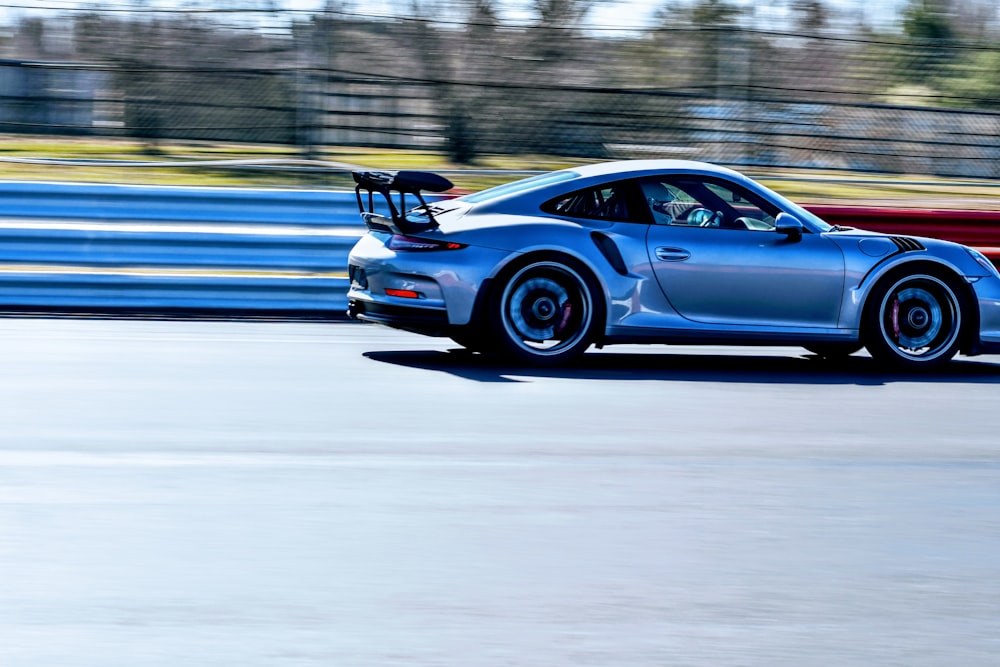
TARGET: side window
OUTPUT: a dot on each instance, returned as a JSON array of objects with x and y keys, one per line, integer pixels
[
  {"x": 669, "y": 204},
  {"x": 607, "y": 202},
  {"x": 694, "y": 202},
  {"x": 747, "y": 212}
]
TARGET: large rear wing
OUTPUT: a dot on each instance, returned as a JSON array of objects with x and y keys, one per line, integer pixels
[{"x": 403, "y": 183}]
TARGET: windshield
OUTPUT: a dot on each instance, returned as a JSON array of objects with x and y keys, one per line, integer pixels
[{"x": 521, "y": 186}]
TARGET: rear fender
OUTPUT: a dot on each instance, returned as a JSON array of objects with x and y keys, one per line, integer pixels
[{"x": 593, "y": 263}]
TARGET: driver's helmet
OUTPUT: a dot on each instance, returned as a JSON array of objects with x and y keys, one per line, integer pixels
[{"x": 659, "y": 197}]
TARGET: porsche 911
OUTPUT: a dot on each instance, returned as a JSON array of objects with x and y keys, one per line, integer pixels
[{"x": 662, "y": 252}]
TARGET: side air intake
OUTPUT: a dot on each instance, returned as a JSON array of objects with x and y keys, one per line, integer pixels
[{"x": 906, "y": 244}]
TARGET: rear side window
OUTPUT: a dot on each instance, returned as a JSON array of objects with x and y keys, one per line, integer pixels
[
  {"x": 604, "y": 202},
  {"x": 521, "y": 186}
]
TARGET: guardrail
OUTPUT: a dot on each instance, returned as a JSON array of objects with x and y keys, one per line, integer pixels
[
  {"x": 72, "y": 201},
  {"x": 165, "y": 293},
  {"x": 162, "y": 245},
  {"x": 163, "y": 249}
]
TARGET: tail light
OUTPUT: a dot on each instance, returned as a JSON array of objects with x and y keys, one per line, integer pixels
[
  {"x": 401, "y": 243},
  {"x": 402, "y": 293}
]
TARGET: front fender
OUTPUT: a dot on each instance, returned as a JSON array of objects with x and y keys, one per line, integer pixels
[{"x": 860, "y": 287}]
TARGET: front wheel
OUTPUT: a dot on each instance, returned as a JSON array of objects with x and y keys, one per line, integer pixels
[
  {"x": 914, "y": 321},
  {"x": 545, "y": 313}
]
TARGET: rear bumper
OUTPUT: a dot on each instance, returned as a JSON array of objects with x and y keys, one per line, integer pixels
[
  {"x": 426, "y": 321},
  {"x": 447, "y": 284}
]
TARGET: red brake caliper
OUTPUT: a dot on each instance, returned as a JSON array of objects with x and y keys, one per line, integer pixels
[
  {"x": 895, "y": 319},
  {"x": 567, "y": 311}
]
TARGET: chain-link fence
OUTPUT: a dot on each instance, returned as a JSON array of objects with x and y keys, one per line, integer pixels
[{"x": 737, "y": 94}]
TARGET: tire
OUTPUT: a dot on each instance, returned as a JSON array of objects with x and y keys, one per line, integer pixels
[
  {"x": 914, "y": 321},
  {"x": 544, "y": 313},
  {"x": 833, "y": 350}
]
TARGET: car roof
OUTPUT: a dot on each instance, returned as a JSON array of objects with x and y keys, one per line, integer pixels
[
  {"x": 518, "y": 200},
  {"x": 625, "y": 167}
]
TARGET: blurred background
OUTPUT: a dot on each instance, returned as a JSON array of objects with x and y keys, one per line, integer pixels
[{"x": 907, "y": 87}]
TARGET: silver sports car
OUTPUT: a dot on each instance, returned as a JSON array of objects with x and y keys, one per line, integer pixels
[{"x": 657, "y": 251}]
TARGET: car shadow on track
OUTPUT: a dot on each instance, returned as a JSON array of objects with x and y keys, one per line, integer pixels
[{"x": 687, "y": 367}]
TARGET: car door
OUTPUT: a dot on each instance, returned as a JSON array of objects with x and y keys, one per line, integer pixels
[{"x": 718, "y": 259}]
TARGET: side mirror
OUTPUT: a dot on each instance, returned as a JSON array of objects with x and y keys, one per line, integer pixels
[{"x": 789, "y": 225}]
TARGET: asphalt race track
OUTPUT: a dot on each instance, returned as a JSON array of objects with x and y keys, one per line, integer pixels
[{"x": 330, "y": 494}]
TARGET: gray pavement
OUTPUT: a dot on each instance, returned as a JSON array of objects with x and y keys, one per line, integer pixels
[{"x": 248, "y": 493}]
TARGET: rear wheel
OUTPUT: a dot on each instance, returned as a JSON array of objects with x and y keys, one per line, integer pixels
[
  {"x": 545, "y": 313},
  {"x": 914, "y": 321}
]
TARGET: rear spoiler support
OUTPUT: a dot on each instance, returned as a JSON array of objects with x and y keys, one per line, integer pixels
[{"x": 404, "y": 183}]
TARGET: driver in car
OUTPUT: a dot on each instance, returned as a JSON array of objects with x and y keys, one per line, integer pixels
[{"x": 666, "y": 207}]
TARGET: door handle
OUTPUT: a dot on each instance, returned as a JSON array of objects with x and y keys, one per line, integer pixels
[{"x": 668, "y": 254}]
